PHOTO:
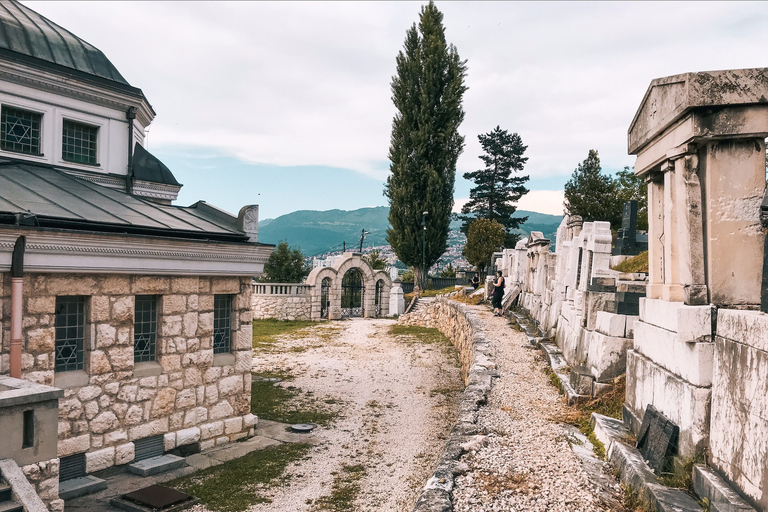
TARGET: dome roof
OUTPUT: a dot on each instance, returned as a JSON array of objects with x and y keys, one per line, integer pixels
[{"x": 24, "y": 31}]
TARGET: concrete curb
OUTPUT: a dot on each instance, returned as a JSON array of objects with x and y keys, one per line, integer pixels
[{"x": 436, "y": 495}]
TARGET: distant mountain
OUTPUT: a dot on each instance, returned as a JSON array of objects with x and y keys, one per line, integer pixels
[{"x": 316, "y": 232}]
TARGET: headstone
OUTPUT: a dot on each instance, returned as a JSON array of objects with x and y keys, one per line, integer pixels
[
  {"x": 764, "y": 223},
  {"x": 657, "y": 440},
  {"x": 626, "y": 240}
]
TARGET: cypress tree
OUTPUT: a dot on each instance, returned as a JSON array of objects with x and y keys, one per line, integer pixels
[
  {"x": 496, "y": 190},
  {"x": 425, "y": 144}
]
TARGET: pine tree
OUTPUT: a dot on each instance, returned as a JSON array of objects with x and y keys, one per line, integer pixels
[
  {"x": 285, "y": 265},
  {"x": 591, "y": 194},
  {"x": 496, "y": 190},
  {"x": 427, "y": 91}
]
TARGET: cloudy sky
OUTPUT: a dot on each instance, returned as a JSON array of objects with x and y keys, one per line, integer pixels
[{"x": 287, "y": 104}]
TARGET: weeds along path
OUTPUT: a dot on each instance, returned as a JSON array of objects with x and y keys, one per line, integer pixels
[
  {"x": 389, "y": 401},
  {"x": 526, "y": 462}
]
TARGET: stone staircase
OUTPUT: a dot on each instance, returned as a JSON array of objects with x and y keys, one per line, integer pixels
[
  {"x": 7, "y": 503},
  {"x": 422, "y": 303}
]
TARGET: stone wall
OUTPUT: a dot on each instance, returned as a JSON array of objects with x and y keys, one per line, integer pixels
[
  {"x": 738, "y": 444},
  {"x": 574, "y": 297},
  {"x": 282, "y": 307},
  {"x": 189, "y": 394},
  {"x": 464, "y": 329},
  {"x": 44, "y": 477}
]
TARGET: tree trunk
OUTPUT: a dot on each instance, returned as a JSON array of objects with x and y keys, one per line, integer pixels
[{"x": 419, "y": 279}]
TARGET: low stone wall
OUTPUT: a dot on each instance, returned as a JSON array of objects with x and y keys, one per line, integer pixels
[
  {"x": 465, "y": 330},
  {"x": 281, "y": 307},
  {"x": 44, "y": 477}
]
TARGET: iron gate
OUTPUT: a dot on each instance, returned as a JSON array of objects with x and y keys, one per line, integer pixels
[
  {"x": 325, "y": 297},
  {"x": 352, "y": 292}
]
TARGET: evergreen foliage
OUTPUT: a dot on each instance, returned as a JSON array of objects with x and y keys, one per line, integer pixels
[
  {"x": 375, "y": 261},
  {"x": 448, "y": 271},
  {"x": 496, "y": 191},
  {"x": 285, "y": 265},
  {"x": 593, "y": 195},
  {"x": 425, "y": 144},
  {"x": 631, "y": 187},
  {"x": 484, "y": 237}
]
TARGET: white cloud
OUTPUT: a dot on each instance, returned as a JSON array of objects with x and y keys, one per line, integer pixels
[
  {"x": 542, "y": 201},
  {"x": 307, "y": 83}
]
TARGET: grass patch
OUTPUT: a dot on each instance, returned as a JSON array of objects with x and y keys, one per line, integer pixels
[
  {"x": 468, "y": 299},
  {"x": 430, "y": 293},
  {"x": 681, "y": 475},
  {"x": 346, "y": 487},
  {"x": 634, "y": 264},
  {"x": 288, "y": 404},
  {"x": 608, "y": 404},
  {"x": 266, "y": 331},
  {"x": 236, "y": 485},
  {"x": 421, "y": 334}
]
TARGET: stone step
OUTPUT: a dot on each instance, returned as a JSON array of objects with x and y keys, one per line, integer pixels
[
  {"x": 10, "y": 506},
  {"x": 5, "y": 491},
  {"x": 81, "y": 486},
  {"x": 155, "y": 465},
  {"x": 722, "y": 498}
]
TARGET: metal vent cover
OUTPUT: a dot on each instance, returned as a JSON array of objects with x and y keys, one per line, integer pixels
[
  {"x": 72, "y": 467},
  {"x": 149, "y": 447}
]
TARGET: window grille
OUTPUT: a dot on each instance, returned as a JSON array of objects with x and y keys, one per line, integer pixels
[
  {"x": 145, "y": 328},
  {"x": 222, "y": 324},
  {"x": 78, "y": 143},
  {"x": 70, "y": 329},
  {"x": 20, "y": 131}
]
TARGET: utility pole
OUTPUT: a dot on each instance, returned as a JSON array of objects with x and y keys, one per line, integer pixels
[
  {"x": 362, "y": 237},
  {"x": 424, "y": 247},
  {"x": 343, "y": 247}
]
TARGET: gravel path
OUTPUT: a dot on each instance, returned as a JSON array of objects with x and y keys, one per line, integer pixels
[
  {"x": 527, "y": 463},
  {"x": 395, "y": 416}
]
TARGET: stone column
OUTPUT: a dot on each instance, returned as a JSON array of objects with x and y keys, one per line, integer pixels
[{"x": 700, "y": 141}]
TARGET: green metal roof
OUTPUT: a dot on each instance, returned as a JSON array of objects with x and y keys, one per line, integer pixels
[
  {"x": 47, "y": 197},
  {"x": 24, "y": 31}
]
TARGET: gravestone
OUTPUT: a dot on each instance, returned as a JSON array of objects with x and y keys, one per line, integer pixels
[
  {"x": 626, "y": 239},
  {"x": 657, "y": 440}
]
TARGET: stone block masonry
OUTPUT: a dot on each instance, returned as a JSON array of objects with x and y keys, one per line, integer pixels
[
  {"x": 189, "y": 394},
  {"x": 478, "y": 367}
]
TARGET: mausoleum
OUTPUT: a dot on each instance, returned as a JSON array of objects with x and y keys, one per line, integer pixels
[{"x": 132, "y": 312}]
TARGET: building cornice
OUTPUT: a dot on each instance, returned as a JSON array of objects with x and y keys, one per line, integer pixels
[
  {"x": 72, "y": 87},
  {"x": 57, "y": 251}
]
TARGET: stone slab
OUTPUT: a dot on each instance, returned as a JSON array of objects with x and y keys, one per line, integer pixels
[
  {"x": 87, "y": 484},
  {"x": 693, "y": 362},
  {"x": 608, "y": 430},
  {"x": 23, "y": 490},
  {"x": 155, "y": 465},
  {"x": 611, "y": 324},
  {"x": 657, "y": 440},
  {"x": 722, "y": 498}
]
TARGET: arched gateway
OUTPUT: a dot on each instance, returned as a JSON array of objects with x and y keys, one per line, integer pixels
[{"x": 348, "y": 287}]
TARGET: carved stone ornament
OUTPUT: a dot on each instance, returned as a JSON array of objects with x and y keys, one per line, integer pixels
[{"x": 248, "y": 221}]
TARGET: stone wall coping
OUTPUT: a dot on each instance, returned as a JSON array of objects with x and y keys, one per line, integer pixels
[
  {"x": 436, "y": 494},
  {"x": 19, "y": 392}
]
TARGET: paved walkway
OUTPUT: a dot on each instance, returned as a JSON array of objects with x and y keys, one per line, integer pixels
[{"x": 268, "y": 433}]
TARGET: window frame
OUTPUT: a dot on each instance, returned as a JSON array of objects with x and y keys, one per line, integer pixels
[
  {"x": 79, "y": 301},
  {"x": 96, "y": 140},
  {"x": 40, "y": 130},
  {"x": 151, "y": 319},
  {"x": 222, "y": 320}
]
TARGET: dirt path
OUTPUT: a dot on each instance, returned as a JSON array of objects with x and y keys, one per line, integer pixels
[
  {"x": 396, "y": 413},
  {"x": 528, "y": 463}
]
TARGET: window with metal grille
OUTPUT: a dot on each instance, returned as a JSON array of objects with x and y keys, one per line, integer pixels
[
  {"x": 222, "y": 324},
  {"x": 20, "y": 130},
  {"x": 145, "y": 328},
  {"x": 78, "y": 143},
  {"x": 70, "y": 330}
]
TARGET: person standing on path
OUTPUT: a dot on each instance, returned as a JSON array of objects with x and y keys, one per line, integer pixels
[{"x": 498, "y": 293}]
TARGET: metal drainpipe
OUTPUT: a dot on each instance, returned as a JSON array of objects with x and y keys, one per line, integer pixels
[
  {"x": 130, "y": 115},
  {"x": 17, "y": 291}
]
